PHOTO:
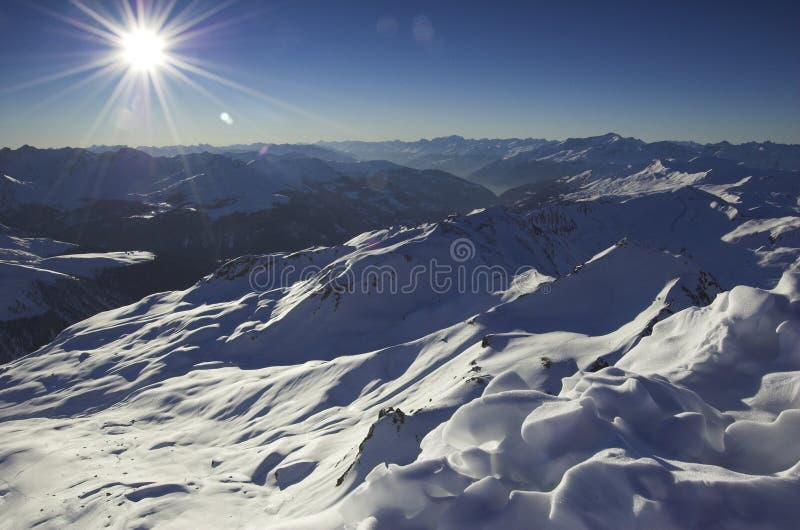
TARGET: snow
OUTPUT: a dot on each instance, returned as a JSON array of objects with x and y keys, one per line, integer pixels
[
  {"x": 639, "y": 369},
  {"x": 26, "y": 262},
  {"x": 654, "y": 178},
  {"x": 777, "y": 228},
  {"x": 91, "y": 263},
  {"x": 744, "y": 334},
  {"x": 12, "y": 180},
  {"x": 618, "y": 448},
  {"x": 31, "y": 246},
  {"x": 216, "y": 184}
]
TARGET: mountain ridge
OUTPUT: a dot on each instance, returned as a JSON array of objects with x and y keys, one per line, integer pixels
[{"x": 301, "y": 389}]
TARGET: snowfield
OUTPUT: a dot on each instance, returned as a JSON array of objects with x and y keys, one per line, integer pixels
[
  {"x": 639, "y": 367},
  {"x": 43, "y": 288},
  {"x": 655, "y": 442},
  {"x": 26, "y": 263}
]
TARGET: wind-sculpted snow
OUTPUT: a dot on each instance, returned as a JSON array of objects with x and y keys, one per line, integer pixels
[
  {"x": 618, "y": 449},
  {"x": 747, "y": 334},
  {"x": 261, "y": 400},
  {"x": 579, "y": 366}
]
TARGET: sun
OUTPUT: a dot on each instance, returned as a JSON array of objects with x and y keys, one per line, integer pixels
[
  {"x": 142, "y": 54},
  {"x": 143, "y": 49}
]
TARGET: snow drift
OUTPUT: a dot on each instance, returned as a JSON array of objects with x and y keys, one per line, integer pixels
[
  {"x": 639, "y": 369},
  {"x": 621, "y": 449}
]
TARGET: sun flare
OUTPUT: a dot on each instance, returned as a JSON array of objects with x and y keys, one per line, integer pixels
[
  {"x": 143, "y": 49},
  {"x": 142, "y": 55}
]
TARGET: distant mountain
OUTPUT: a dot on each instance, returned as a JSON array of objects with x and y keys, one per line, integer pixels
[
  {"x": 454, "y": 154},
  {"x": 602, "y": 155},
  {"x": 610, "y": 154},
  {"x": 762, "y": 155},
  {"x": 502, "y": 164},
  {"x": 309, "y": 150},
  {"x": 712, "y": 175},
  {"x": 203, "y": 207}
]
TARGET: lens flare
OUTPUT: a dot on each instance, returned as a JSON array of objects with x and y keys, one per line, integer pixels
[{"x": 142, "y": 53}]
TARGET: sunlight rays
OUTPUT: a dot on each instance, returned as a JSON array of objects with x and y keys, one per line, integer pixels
[
  {"x": 184, "y": 64},
  {"x": 103, "y": 75},
  {"x": 141, "y": 42},
  {"x": 123, "y": 84},
  {"x": 105, "y": 22},
  {"x": 67, "y": 72}
]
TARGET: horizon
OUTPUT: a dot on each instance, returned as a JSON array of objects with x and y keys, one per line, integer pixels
[
  {"x": 389, "y": 140},
  {"x": 79, "y": 74}
]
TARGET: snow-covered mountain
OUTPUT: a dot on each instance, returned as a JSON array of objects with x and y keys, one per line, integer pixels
[
  {"x": 762, "y": 155},
  {"x": 611, "y": 154},
  {"x": 66, "y": 179},
  {"x": 684, "y": 432},
  {"x": 236, "y": 150},
  {"x": 508, "y": 163},
  {"x": 502, "y": 164},
  {"x": 195, "y": 210},
  {"x": 622, "y": 353},
  {"x": 454, "y": 154},
  {"x": 45, "y": 286},
  {"x": 608, "y": 155},
  {"x": 214, "y": 205}
]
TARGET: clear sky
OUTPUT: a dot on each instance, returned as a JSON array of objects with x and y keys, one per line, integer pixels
[{"x": 302, "y": 71}]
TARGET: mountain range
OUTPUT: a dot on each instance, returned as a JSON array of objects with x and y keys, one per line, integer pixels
[
  {"x": 502, "y": 164},
  {"x": 195, "y": 210},
  {"x": 613, "y": 343},
  {"x": 190, "y": 213}
]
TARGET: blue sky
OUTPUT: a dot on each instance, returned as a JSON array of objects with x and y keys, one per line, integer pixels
[{"x": 372, "y": 70}]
